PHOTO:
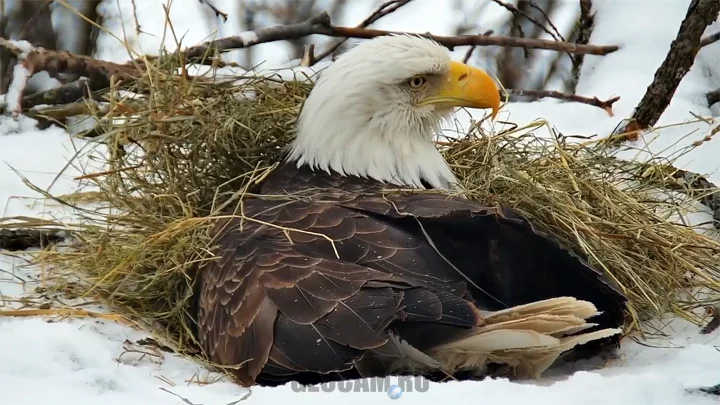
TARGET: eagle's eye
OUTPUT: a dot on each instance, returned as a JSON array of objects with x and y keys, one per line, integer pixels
[{"x": 417, "y": 82}]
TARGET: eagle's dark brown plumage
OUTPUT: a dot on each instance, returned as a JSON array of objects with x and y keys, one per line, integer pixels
[{"x": 282, "y": 304}]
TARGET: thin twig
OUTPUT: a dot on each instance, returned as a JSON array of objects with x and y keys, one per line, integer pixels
[
  {"x": 538, "y": 94},
  {"x": 470, "y": 51},
  {"x": 384, "y": 9},
  {"x": 547, "y": 18},
  {"x": 516, "y": 11},
  {"x": 217, "y": 11},
  {"x": 138, "y": 30}
]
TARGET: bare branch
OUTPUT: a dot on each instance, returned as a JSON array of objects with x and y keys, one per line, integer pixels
[
  {"x": 23, "y": 239},
  {"x": 215, "y": 10},
  {"x": 710, "y": 39},
  {"x": 677, "y": 63},
  {"x": 538, "y": 94},
  {"x": 67, "y": 93},
  {"x": 470, "y": 50},
  {"x": 547, "y": 18},
  {"x": 321, "y": 25},
  {"x": 384, "y": 9},
  {"x": 98, "y": 72},
  {"x": 584, "y": 31},
  {"x": 511, "y": 8}
]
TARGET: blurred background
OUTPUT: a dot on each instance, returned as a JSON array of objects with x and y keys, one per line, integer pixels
[{"x": 54, "y": 24}]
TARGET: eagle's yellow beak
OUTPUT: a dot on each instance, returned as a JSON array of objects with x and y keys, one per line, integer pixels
[{"x": 467, "y": 86}]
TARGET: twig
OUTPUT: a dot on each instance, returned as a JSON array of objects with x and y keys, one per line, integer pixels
[
  {"x": 677, "y": 63},
  {"x": 710, "y": 39},
  {"x": 215, "y": 10},
  {"x": 538, "y": 94},
  {"x": 64, "y": 312},
  {"x": 384, "y": 9},
  {"x": 547, "y": 18},
  {"x": 516, "y": 11},
  {"x": 321, "y": 25},
  {"x": 138, "y": 30},
  {"x": 470, "y": 50},
  {"x": 22, "y": 239},
  {"x": 183, "y": 399}
]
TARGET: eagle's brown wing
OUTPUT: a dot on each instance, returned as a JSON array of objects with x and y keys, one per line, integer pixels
[
  {"x": 313, "y": 284},
  {"x": 281, "y": 301}
]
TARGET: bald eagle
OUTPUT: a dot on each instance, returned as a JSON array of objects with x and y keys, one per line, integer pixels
[{"x": 346, "y": 280}]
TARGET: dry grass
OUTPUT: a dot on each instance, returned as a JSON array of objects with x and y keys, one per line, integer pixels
[{"x": 173, "y": 158}]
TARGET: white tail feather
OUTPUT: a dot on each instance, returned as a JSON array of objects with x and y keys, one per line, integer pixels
[{"x": 529, "y": 338}]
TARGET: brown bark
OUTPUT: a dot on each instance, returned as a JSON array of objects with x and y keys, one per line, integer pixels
[
  {"x": 678, "y": 61},
  {"x": 538, "y": 94},
  {"x": 321, "y": 25}
]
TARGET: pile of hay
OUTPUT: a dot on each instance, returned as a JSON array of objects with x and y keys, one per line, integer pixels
[{"x": 175, "y": 157}]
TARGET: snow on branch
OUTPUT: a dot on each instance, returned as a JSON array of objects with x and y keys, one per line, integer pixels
[
  {"x": 677, "y": 63},
  {"x": 33, "y": 60}
]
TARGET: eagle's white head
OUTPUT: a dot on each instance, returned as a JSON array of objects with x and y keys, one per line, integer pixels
[{"x": 375, "y": 111}]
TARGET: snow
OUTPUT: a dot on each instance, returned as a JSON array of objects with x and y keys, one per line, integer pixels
[
  {"x": 24, "y": 46},
  {"x": 20, "y": 77},
  {"x": 248, "y": 37},
  {"x": 88, "y": 361}
]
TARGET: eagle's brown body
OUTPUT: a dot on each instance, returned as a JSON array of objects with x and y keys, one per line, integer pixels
[{"x": 421, "y": 267}]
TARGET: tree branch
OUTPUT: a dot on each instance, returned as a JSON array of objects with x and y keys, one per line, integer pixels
[
  {"x": 584, "y": 31},
  {"x": 67, "y": 93},
  {"x": 516, "y": 11},
  {"x": 710, "y": 39},
  {"x": 677, "y": 63},
  {"x": 217, "y": 11},
  {"x": 22, "y": 239},
  {"x": 100, "y": 74},
  {"x": 35, "y": 60},
  {"x": 384, "y": 9},
  {"x": 321, "y": 25},
  {"x": 538, "y": 94}
]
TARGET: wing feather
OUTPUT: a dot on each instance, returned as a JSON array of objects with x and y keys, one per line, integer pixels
[{"x": 280, "y": 301}]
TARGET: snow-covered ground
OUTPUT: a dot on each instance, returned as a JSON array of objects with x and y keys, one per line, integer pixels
[{"x": 88, "y": 361}]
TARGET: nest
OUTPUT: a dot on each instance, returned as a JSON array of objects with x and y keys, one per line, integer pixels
[{"x": 176, "y": 150}]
